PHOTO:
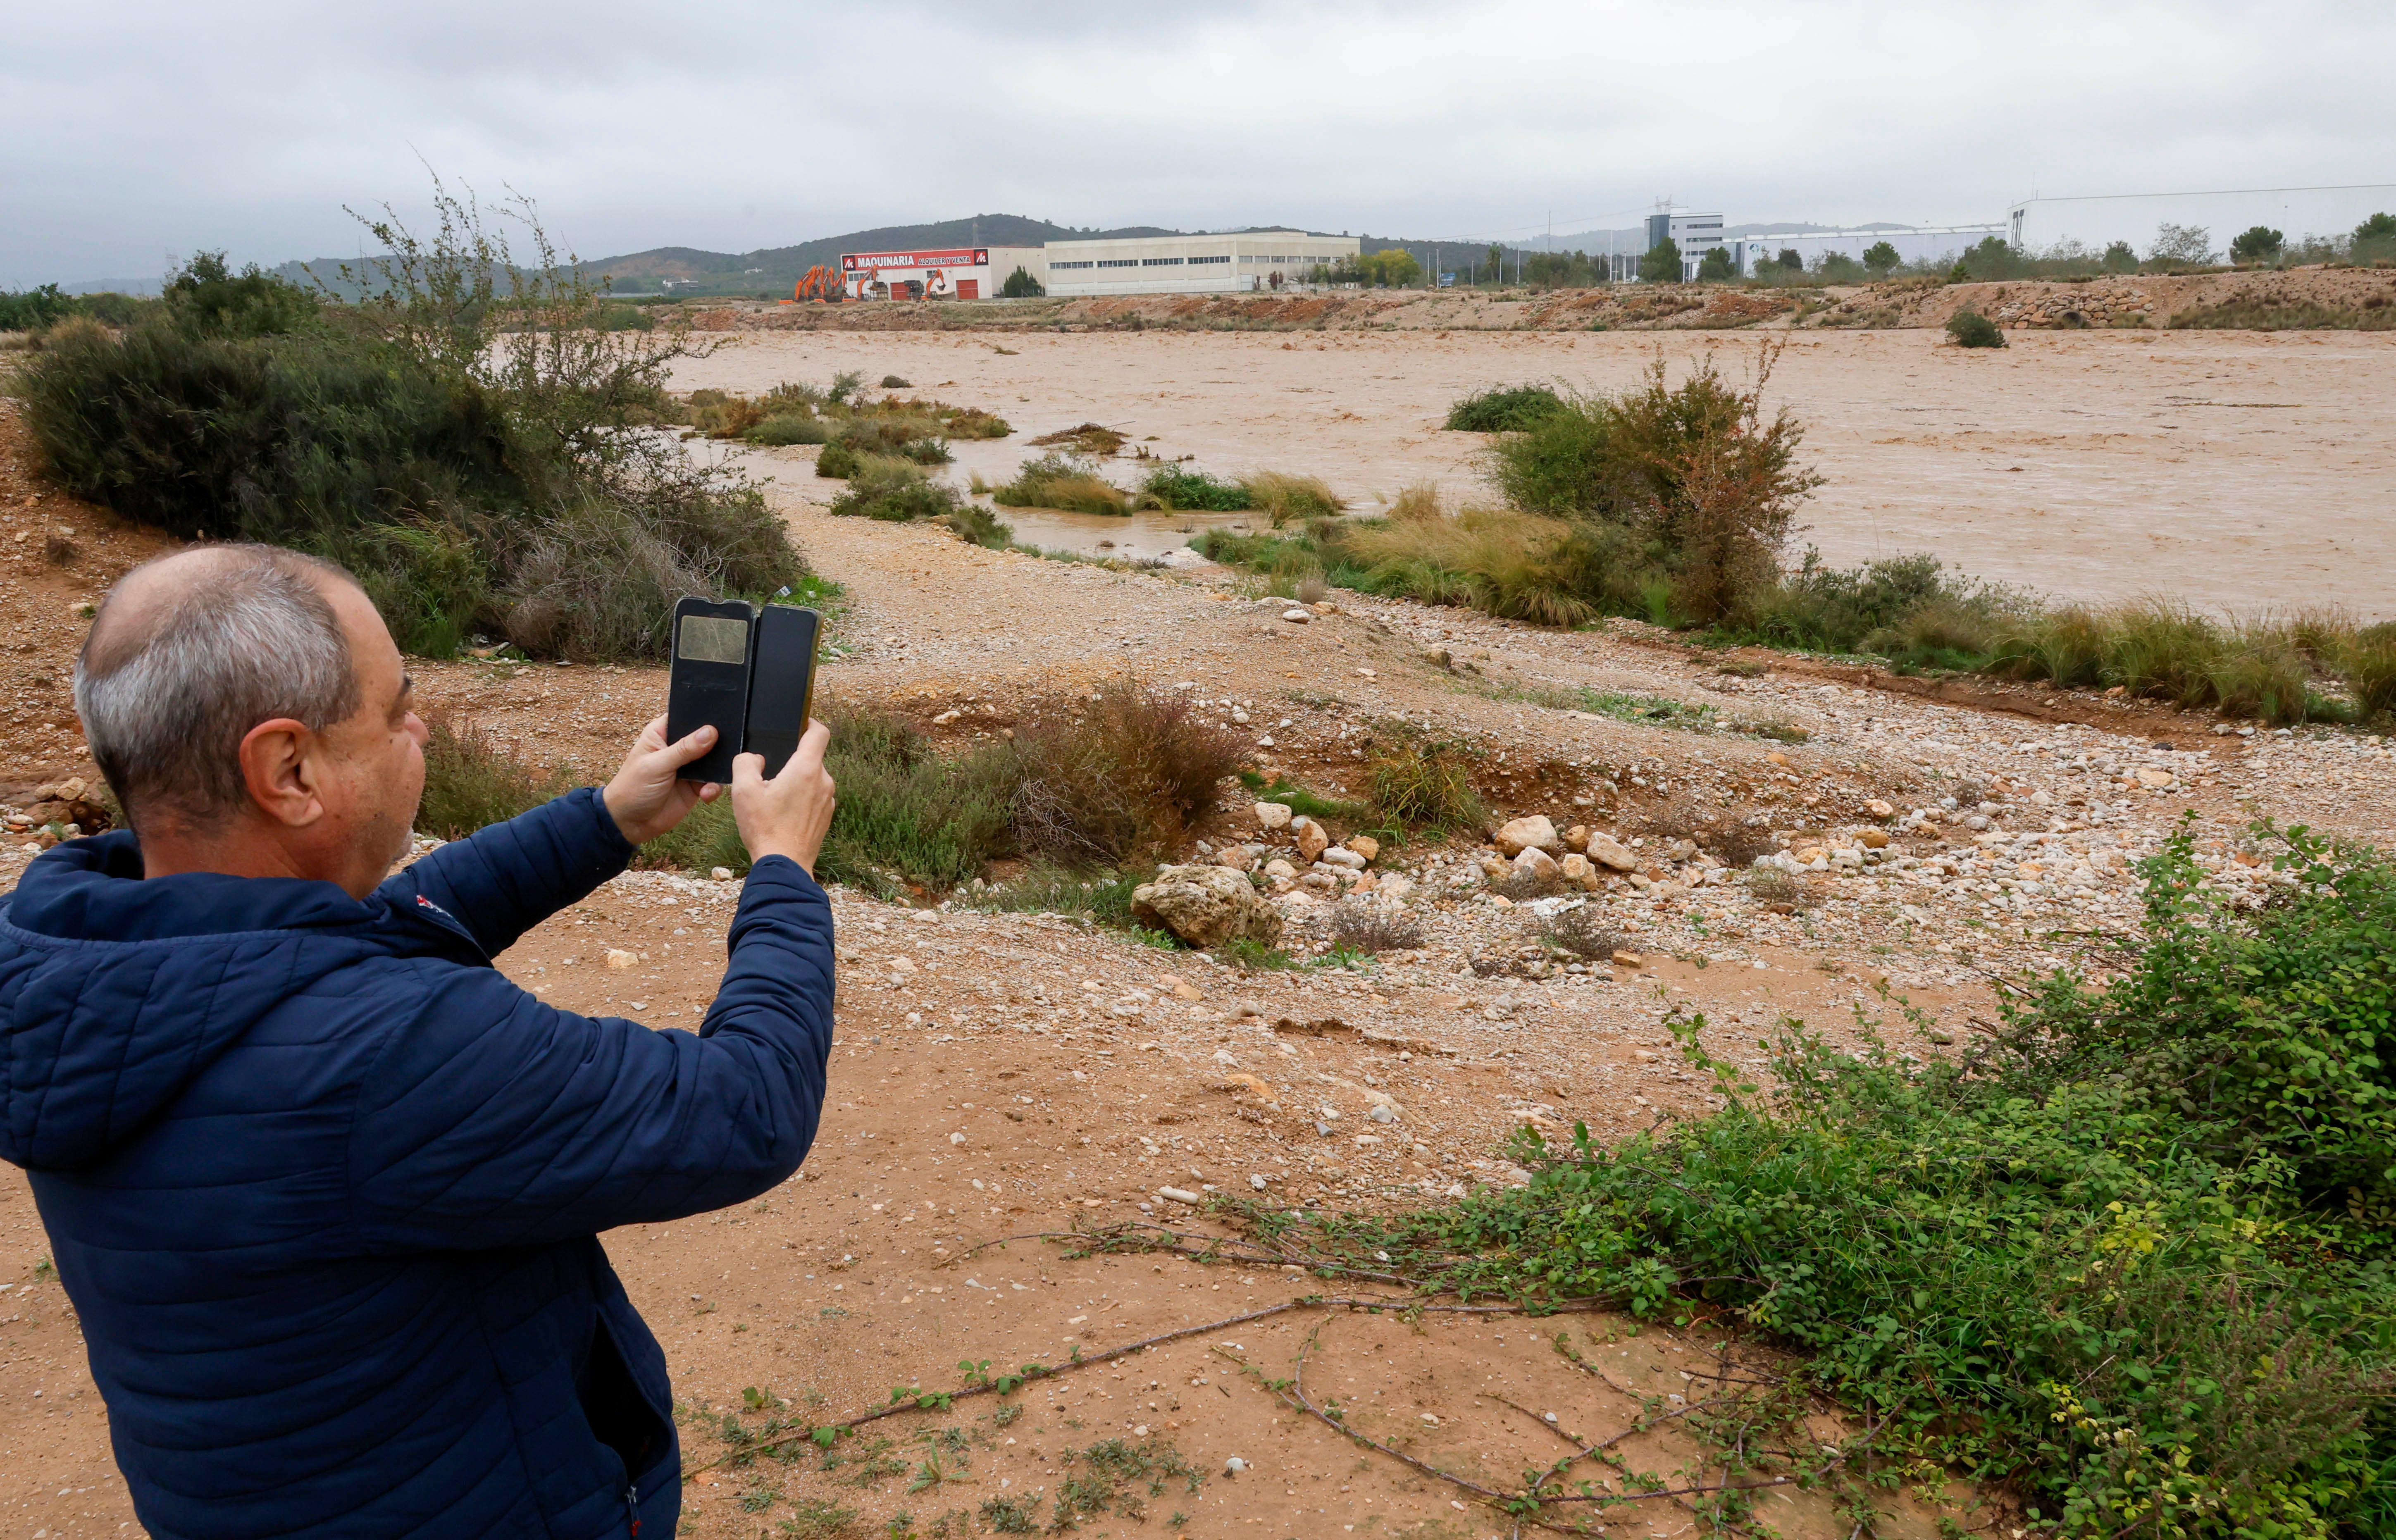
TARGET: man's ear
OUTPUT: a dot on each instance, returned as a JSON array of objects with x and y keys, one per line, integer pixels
[{"x": 278, "y": 766}]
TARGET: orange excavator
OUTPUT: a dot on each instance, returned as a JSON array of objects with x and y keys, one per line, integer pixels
[{"x": 821, "y": 285}]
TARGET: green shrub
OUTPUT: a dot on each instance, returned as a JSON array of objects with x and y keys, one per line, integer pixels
[
  {"x": 1175, "y": 489},
  {"x": 779, "y": 431},
  {"x": 1661, "y": 262},
  {"x": 35, "y": 309},
  {"x": 2130, "y": 1255},
  {"x": 1869, "y": 607},
  {"x": 908, "y": 816},
  {"x": 1020, "y": 285},
  {"x": 471, "y": 485},
  {"x": 895, "y": 491},
  {"x": 1504, "y": 409},
  {"x": 978, "y": 525},
  {"x": 1969, "y": 328},
  {"x": 837, "y": 460},
  {"x": 1062, "y": 481},
  {"x": 472, "y": 780},
  {"x": 903, "y": 436},
  {"x": 2258, "y": 244},
  {"x": 208, "y": 298}
]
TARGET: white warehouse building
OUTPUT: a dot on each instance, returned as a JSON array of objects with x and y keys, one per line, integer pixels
[{"x": 1192, "y": 264}]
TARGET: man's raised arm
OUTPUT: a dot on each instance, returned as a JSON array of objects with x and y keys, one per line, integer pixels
[{"x": 502, "y": 881}]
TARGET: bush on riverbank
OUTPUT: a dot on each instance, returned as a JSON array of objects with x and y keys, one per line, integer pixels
[
  {"x": 461, "y": 446},
  {"x": 2130, "y": 1253}
]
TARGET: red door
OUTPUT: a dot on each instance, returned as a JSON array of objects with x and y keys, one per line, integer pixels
[{"x": 968, "y": 288}]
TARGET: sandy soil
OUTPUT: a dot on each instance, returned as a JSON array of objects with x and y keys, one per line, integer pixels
[
  {"x": 1001, "y": 1076},
  {"x": 2233, "y": 469}
]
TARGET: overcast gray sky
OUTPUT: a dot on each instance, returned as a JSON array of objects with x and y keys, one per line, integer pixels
[{"x": 135, "y": 134}]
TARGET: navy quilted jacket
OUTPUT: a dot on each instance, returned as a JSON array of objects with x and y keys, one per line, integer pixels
[{"x": 325, "y": 1187}]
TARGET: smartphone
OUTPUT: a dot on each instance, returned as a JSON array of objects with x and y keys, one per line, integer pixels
[
  {"x": 781, "y": 682},
  {"x": 714, "y": 656}
]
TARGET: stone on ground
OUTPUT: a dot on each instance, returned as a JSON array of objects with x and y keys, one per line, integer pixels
[{"x": 1206, "y": 906}]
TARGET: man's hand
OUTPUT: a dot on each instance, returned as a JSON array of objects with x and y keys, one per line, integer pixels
[
  {"x": 648, "y": 795},
  {"x": 787, "y": 815}
]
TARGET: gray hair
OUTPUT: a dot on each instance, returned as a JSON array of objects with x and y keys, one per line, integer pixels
[{"x": 178, "y": 670}]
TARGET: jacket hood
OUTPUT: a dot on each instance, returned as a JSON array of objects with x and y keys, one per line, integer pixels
[{"x": 116, "y": 991}]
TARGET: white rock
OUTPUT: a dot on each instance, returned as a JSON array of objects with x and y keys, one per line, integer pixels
[
  {"x": 1610, "y": 852},
  {"x": 1537, "y": 862},
  {"x": 1179, "y": 1195},
  {"x": 1296, "y": 617},
  {"x": 1233, "y": 1466},
  {"x": 1347, "y": 858},
  {"x": 1255, "y": 1182},
  {"x": 1272, "y": 814},
  {"x": 1576, "y": 869},
  {"x": 722, "y": 874},
  {"x": 619, "y": 959},
  {"x": 1380, "y": 1114},
  {"x": 1536, "y": 833},
  {"x": 1204, "y": 906},
  {"x": 956, "y": 1138}
]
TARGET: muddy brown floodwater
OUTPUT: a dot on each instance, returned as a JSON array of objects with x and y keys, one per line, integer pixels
[{"x": 2235, "y": 470}]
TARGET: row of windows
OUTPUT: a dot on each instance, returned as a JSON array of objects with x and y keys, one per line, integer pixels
[
  {"x": 1055, "y": 266},
  {"x": 1160, "y": 261},
  {"x": 1196, "y": 262},
  {"x": 1270, "y": 261},
  {"x": 1120, "y": 261}
]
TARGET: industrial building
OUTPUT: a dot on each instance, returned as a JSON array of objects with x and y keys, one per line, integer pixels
[
  {"x": 1695, "y": 234},
  {"x": 1193, "y": 264},
  {"x": 963, "y": 273},
  {"x": 1162, "y": 264}
]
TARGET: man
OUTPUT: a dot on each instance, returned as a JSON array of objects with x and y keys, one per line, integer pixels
[{"x": 323, "y": 1185}]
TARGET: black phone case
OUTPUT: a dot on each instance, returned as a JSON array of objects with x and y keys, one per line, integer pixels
[
  {"x": 781, "y": 682},
  {"x": 700, "y": 691}
]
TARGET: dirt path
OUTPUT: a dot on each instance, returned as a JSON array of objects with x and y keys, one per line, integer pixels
[{"x": 2233, "y": 469}]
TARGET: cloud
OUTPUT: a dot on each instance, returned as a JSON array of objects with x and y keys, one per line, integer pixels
[{"x": 248, "y": 126}]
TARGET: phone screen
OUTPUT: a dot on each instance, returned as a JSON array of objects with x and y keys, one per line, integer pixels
[
  {"x": 708, "y": 682},
  {"x": 782, "y": 687}
]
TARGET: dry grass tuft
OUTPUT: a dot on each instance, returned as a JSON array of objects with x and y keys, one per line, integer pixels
[
  {"x": 1125, "y": 779},
  {"x": 1090, "y": 438},
  {"x": 1421, "y": 783},
  {"x": 1282, "y": 496},
  {"x": 1581, "y": 930},
  {"x": 472, "y": 779},
  {"x": 1372, "y": 928},
  {"x": 1062, "y": 482}
]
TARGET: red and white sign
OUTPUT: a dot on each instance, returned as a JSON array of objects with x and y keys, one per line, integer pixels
[{"x": 876, "y": 261}]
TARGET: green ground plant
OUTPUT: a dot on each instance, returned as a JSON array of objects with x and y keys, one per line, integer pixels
[
  {"x": 453, "y": 439},
  {"x": 1060, "y": 481},
  {"x": 1969, "y": 328},
  {"x": 894, "y": 491},
  {"x": 2129, "y": 1254},
  {"x": 1504, "y": 409}
]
